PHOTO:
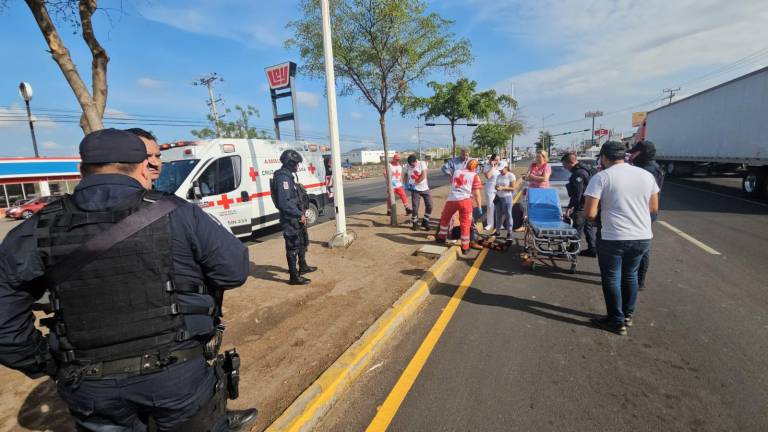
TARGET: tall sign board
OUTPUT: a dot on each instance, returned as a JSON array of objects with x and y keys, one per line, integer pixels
[{"x": 282, "y": 83}]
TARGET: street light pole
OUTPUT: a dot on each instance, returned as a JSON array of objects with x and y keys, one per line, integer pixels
[
  {"x": 25, "y": 90},
  {"x": 342, "y": 238},
  {"x": 418, "y": 134}
]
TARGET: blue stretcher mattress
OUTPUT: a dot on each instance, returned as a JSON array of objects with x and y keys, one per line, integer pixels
[{"x": 545, "y": 216}]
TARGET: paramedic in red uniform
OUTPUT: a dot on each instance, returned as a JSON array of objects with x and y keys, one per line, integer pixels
[
  {"x": 463, "y": 197},
  {"x": 396, "y": 178}
]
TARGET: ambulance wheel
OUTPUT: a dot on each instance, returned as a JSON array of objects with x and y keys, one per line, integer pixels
[
  {"x": 311, "y": 214},
  {"x": 27, "y": 214}
]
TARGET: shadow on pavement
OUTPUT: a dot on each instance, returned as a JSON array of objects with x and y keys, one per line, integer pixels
[
  {"x": 534, "y": 307},
  {"x": 42, "y": 410},
  {"x": 267, "y": 272},
  {"x": 413, "y": 272},
  {"x": 680, "y": 197}
]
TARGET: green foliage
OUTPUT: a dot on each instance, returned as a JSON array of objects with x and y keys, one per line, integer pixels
[
  {"x": 240, "y": 128},
  {"x": 545, "y": 141},
  {"x": 380, "y": 47},
  {"x": 490, "y": 138},
  {"x": 458, "y": 101}
]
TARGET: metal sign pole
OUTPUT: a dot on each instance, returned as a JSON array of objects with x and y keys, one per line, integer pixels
[
  {"x": 295, "y": 111},
  {"x": 342, "y": 238}
]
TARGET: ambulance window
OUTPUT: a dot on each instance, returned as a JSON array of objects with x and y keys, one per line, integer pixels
[{"x": 222, "y": 176}]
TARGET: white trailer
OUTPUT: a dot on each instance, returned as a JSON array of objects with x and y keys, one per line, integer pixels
[
  {"x": 229, "y": 178},
  {"x": 721, "y": 129}
]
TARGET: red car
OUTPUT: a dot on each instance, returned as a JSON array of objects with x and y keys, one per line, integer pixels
[{"x": 28, "y": 209}]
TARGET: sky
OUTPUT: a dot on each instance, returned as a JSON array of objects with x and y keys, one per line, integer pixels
[{"x": 559, "y": 58}]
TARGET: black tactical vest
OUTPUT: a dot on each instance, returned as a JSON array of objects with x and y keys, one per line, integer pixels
[{"x": 124, "y": 303}]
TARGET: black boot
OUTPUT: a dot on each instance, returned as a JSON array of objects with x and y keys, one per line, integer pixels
[
  {"x": 425, "y": 223},
  {"x": 238, "y": 419},
  {"x": 414, "y": 224},
  {"x": 296, "y": 278},
  {"x": 303, "y": 266}
]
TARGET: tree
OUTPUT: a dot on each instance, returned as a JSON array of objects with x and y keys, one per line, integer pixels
[
  {"x": 458, "y": 101},
  {"x": 79, "y": 14},
  {"x": 381, "y": 48},
  {"x": 490, "y": 137},
  {"x": 240, "y": 128},
  {"x": 545, "y": 141}
]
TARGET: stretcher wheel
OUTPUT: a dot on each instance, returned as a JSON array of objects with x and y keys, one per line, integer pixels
[{"x": 573, "y": 269}]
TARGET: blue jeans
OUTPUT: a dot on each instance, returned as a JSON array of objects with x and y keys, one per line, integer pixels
[
  {"x": 619, "y": 262},
  {"x": 504, "y": 213}
]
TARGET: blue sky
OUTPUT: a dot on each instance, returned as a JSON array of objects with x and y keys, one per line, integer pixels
[{"x": 563, "y": 57}]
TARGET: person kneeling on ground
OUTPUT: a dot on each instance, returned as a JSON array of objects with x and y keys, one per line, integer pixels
[{"x": 463, "y": 197}]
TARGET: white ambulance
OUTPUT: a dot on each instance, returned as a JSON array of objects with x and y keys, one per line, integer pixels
[{"x": 229, "y": 178}]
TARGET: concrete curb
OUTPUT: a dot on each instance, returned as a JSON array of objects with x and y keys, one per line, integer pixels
[{"x": 305, "y": 412}]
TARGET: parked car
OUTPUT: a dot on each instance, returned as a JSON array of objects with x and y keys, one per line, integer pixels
[{"x": 29, "y": 208}]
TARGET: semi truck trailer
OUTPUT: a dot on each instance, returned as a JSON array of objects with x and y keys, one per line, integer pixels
[{"x": 719, "y": 130}]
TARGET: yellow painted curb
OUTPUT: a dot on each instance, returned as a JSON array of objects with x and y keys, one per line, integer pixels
[{"x": 314, "y": 402}]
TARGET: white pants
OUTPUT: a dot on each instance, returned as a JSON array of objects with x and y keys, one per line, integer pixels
[{"x": 489, "y": 197}]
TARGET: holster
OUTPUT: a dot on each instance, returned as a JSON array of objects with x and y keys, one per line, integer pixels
[{"x": 230, "y": 362}]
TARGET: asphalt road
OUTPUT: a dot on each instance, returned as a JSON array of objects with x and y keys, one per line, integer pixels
[{"x": 520, "y": 355}]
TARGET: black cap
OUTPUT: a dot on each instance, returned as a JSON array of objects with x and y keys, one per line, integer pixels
[
  {"x": 112, "y": 146},
  {"x": 613, "y": 150}
]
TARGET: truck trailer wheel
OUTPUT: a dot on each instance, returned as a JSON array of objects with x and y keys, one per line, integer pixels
[{"x": 754, "y": 183}]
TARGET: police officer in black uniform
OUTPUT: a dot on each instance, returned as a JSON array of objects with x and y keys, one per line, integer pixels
[
  {"x": 576, "y": 186},
  {"x": 291, "y": 200},
  {"x": 134, "y": 280}
]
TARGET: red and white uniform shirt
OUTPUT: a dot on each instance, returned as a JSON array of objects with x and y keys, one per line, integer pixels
[
  {"x": 397, "y": 175},
  {"x": 414, "y": 172},
  {"x": 462, "y": 185}
]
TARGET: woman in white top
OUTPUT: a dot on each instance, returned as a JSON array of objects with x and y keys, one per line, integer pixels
[
  {"x": 505, "y": 188},
  {"x": 490, "y": 172}
]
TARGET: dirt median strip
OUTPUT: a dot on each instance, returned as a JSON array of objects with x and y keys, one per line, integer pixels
[{"x": 315, "y": 401}]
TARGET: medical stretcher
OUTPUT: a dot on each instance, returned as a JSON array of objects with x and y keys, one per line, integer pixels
[{"x": 547, "y": 236}]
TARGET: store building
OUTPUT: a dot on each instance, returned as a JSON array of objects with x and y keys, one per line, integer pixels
[{"x": 24, "y": 178}]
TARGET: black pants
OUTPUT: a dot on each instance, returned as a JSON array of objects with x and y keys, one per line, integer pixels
[
  {"x": 296, "y": 243},
  {"x": 416, "y": 197},
  {"x": 584, "y": 227},
  {"x": 170, "y": 396}
]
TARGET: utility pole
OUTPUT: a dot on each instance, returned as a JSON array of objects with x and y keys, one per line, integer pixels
[
  {"x": 418, "y": 134},
  {"x": 208, "y": 80},
  {"x": 671, "y": 93},
  {"x": 592, "y": 115},
  {"x": 342, "y": 238}
]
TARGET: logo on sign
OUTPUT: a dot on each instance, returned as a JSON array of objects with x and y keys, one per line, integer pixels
[
  {"x": 600, "y": 132},
  {"x": 279, "y": 75}
]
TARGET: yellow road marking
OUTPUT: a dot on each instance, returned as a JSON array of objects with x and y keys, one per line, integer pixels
[
  {"x": 403, "y": 386},
  {"x": 331, "y": 383}
]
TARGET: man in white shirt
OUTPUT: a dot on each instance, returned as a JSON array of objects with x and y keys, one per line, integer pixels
[
  {"x": 627, "y": 197},
  {"x": 417, "y": 183}
]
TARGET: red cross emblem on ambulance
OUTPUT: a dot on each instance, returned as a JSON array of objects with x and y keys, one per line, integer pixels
[{"x": 312, "y": 168}]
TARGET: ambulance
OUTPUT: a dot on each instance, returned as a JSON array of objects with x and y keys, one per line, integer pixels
[{"x": 229, "y": 178}]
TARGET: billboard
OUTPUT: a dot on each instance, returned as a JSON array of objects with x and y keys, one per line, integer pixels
[
  {"x": 280, "y": 75},
  {"x": 638, "y": 118}
]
